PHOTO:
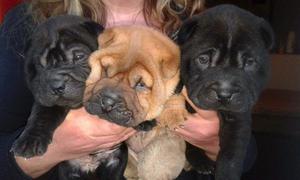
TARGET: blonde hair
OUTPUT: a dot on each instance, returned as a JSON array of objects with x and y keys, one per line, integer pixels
[{"x": 164, "y": 14}]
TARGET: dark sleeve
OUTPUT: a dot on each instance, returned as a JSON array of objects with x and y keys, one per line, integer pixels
[
  {"x": 15, "y": 98},
  {"x": 8, "y": 167}
]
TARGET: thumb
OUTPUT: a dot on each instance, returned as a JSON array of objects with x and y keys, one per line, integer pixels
[{"x": 205, "y": 114}]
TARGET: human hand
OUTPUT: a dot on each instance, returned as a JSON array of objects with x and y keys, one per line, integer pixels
[
  {"x": 201, "y": 129},
  {"x": 82, "y": 133},
  {"x": 78, "y": 135}
]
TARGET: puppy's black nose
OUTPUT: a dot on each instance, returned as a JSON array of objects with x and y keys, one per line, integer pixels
[
  {"x": 57, "y": 87},
  {"x": 107, "y": 103},
  {"x": 224, "y": 95},
  {"x": 223, "y": 90}
]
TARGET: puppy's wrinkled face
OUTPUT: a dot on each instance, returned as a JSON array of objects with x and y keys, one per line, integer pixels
[
  {"x": 225, "y": 62},
  {"x": 139, "y": 71},
  {"x": 57, "y": 62},
  {"x": 124, "y": 98}
]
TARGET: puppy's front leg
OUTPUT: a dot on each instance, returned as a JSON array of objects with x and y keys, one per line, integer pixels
[
  {"x": 38, "y": 132},
  {"x": 113, "y": 168},
  {"x": 235, "y": 132},
  {"x": 174, "y": 112}
]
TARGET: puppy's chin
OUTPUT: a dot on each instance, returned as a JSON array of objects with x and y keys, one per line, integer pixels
[
  {"x": 48, "y": 100},
  {"x": 70, "y": 97}
]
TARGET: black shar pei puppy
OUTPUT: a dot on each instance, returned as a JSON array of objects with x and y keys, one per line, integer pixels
[
  {"x": 56, "y": 70},
  {"x": 225, "y": 66}
]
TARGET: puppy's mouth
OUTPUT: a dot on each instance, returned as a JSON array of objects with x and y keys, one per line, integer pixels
[
  {"x": 111, "y": 107},
  {"x": 209, "y": 98},
  {"x": 70, "y": 96}
]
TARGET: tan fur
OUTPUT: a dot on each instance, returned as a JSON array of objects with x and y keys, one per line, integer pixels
[{"x": 125, "y": 55}]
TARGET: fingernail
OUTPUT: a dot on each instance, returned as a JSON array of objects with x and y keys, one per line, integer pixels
[{"x": 181, "y": 126}]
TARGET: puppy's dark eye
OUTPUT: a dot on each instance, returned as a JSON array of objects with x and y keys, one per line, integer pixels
[
  {"x": 248, "y": 60},
  {"x": 140, "y": 86},
  {"x": 78, "y": 55},
  {"x": 203, "y": 59}
]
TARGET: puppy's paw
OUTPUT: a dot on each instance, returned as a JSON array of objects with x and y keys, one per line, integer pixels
[
  {"x": 28, "y": 146},
  {"x": 174, "y": 113},
  {"x": 171, "y": 118},
  {"x": 202, "y": 164}
]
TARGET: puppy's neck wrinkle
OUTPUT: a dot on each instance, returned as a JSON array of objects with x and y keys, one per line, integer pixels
[{"x": 146, "y": 125}]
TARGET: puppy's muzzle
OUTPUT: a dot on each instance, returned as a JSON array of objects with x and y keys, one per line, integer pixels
[
  {"x": 223, "y": 91},
  {"x": 108, "y": 104},
  {"x": 57, "y": 83},
  {"x": 57, "y": 87}
]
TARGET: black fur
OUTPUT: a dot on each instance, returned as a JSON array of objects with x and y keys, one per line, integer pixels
[
  {"x": 225, "y": 66},
  {"x": 56, "y": 69}
]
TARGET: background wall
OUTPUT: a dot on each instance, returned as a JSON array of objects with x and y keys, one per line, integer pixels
[{"x": 285, "y": 72}]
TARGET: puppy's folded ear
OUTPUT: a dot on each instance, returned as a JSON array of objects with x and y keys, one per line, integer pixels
[
  {"x": 106, "y": 38},
  {"x": 93, "y": 27},
  {"x": 186, "y": 30},
  {"x": 267, "y": 34},
  {"x": 95, "y": 74}
]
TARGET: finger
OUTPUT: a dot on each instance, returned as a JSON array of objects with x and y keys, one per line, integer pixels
[
  {"x": 196, "y": 142},
  {"x": 190, "y": 125},
  {"x": 106, "y": 146},
  {"x": 120, "y": 130},
  {"x": 103, "y": 139},
  {"x": 188, "y": 99},
  {"x": 114, "y": 143},
  {"x": 184, "y": 92},
  {"x": 183, "y": 132},
  {"x": 206, "y": 114},
  {"x": 196, "y": 124},
  {"x": 125, "y": 137},
  {"x": 196, "y": 133},
  {"x": 128, "y": 132},
  {"x": 115, "y": 135},
  {"x": 186, "y": 137},
  {"x": 103, "y": 127}
]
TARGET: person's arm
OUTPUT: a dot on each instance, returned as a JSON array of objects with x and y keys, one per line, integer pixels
[
  {"x": 8, "y": 166},
  {"x": 201, "y": 129},
  {"x": 79, "y": 134}
]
